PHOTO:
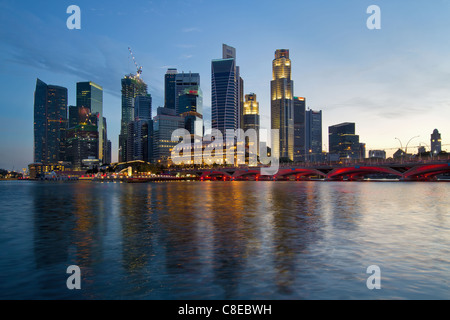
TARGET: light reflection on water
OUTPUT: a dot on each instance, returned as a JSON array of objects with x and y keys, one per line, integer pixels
[{"x": 224, "y": 240}]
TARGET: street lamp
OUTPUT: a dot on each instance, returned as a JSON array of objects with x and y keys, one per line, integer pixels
[
  {"x": 406, "y": 149},
  {"x": 401, "y": 146}
]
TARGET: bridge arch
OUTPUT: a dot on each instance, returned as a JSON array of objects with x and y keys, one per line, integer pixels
[{"x": 359, "y": 171}]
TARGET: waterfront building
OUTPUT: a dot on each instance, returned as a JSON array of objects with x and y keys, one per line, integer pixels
[
  {"x": 50, "y": 123},
  {"x": 164, "y": 124},
  {"x": 344, "y": 142},
  {"x": 282, "y": 110},
  {"x": 82, "y": 144}
]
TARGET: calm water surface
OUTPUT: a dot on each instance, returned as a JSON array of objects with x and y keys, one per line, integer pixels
[{"x": 225, "y": 240}]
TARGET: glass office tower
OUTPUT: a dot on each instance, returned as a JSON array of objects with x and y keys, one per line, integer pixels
[
  {"x": 90, "y": 95},
  {"x": 50, "y": 123},
  {"x": 132, "y": 86},
  {"x": 169, "y": 89}
]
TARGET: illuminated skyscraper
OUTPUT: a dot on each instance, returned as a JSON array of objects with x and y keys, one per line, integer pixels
[
  {"x": 90, "y": 95},
  {"x": 164, "y": 124},
  {"x": 282, "y": 110},
  {"x": 250, "y": 115},
  {"x": 50, "y": 122},
  {"x": 251, "y": 112},
  {"x": 132, "y": 86}
]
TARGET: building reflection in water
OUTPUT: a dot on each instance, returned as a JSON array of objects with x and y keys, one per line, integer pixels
[{"x": 296, "y": 226}]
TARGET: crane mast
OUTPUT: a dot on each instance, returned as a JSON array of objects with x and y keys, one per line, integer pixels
[{"x": 139, "y": 68}]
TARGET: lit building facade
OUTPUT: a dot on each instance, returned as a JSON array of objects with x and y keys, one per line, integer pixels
[
  {"x": 251, "y": 118},
  {"x": 251, "y": 113},
  {"x": 50, "y": 123},
  {"x": 164, "y": 124},
  {"x": 90, "y": 95},
  {"x": 282, "y": 110}
]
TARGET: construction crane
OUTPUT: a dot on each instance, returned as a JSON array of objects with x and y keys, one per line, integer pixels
[{"x": 139, "y": 68}]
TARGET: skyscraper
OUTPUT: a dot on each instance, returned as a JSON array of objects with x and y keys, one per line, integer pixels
[
  {"x": 191, "y": 109},
  {"x": 132, "y": 86},
  {"x": 436, "y": 144},
  {"x": 226, "y": 92},
  {"x": 313, "y": 135},
  {"x": 251, "y": 112},
  {"x": 50, "y": 122},
  {"x": 138, "y": 143},
  {"x": 299, "y": 129},
  {"x": 90, "y": 95},
  {"x": 143, "y": 107},
  {"x": 164, "y": 123},
  {"x": 138, "y": 130},
  {"x": 169, "y": 89},
  {"x": 82, "y": 144},
  {"x": 182, "y": 82},
  {"x": 282, "y": 110},
  {"x": 250, "y": 116},
  {"x": 344, "y": 142}
]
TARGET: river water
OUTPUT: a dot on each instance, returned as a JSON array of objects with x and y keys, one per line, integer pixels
[{"x": 225, "y": 240}]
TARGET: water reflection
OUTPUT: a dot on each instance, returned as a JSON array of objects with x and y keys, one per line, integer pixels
[
  {"x": 225, "y": 240},
  {"x": 297, "y": 224}
]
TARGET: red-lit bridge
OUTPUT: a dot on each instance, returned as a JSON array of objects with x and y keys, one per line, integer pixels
[{"x": 413, "y": 171}]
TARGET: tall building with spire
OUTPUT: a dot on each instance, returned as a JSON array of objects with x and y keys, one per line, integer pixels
[
  {"x": 50, "y": 123},
  {"x": 282, "y": 110},
  {"x": 132, "y": 86}
]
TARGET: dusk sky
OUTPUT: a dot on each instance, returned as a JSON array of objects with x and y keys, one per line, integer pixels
[{"x": 393, "y": 82}]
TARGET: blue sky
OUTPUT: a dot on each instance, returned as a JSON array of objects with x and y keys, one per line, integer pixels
[{"x": 393, "y": 82}]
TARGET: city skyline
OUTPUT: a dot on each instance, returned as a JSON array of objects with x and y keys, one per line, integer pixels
[{"x": 389, "y": 82}]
